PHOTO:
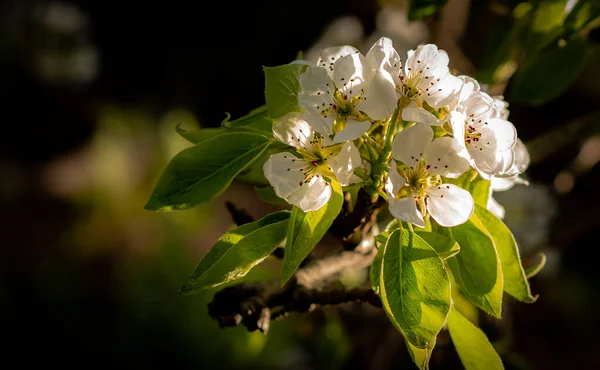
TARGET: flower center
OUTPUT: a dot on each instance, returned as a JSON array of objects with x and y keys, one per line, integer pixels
[
  {"x": 411, "y": 86},
  {"x": 418, "y": 183},
  {"x": 316, "y": 155}
]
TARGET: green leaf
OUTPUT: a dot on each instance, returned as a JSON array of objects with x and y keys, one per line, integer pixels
[
  {"x": 281, "y": 88},
  {"x": 236, "y": 252},
  {"x": 515, "y": 281},
  {"x": 546, "y": 25},
  {"x": 474, "y": 184},
  {"x": 476, "y": 269},
  {"x": 420, "y": 356},
  {"x": 414, "y": 287},
  {"x": 305, "y": 230},
  {"x": 257, "y": 121},
  {"x": 531, "y": 84},
  {"x": 267, "y": 195},
  {"x": 198, "y": 136},
  {"x": 585, "y": 14},
  {"x": 420, "y": 9},
  {"x": 474, "y": 349},
  {"x": 533, "y": 270},
  {"x": 444, "y": 246},
  {"x": 201, "y": 173}
]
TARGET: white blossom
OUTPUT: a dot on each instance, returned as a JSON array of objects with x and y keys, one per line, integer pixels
[
  {"x": 416, "y": 188},
  {"x": 426, "y": 79},
  {"x": 347, "y": 90},
  {"x": 478, "y": 126},
  {"x": 302, "y": 177}
]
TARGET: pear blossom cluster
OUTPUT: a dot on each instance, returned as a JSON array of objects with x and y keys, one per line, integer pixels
[{"x": 441, "y": 127}]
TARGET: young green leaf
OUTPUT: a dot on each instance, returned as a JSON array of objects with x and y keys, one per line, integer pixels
[
  {"x": 281, "y": 88},
  {"x": 305, "y": 230},
  {"x": 474, "y": 349},
  {"x": 533, "y": 270},
  {"x": 203, "y": 172},
  {"x": 420, "y": 356},
  {"x": 515, "y": 281},
  {"x": 445, "y": 246},
  {"x": 476, "y": 268},
  {"x": 198, "y": 136},
  {"x": 236, "y": 252},
  {"x": 414, "y": 287}
]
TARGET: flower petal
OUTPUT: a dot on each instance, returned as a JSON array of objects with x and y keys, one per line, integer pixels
[
  {"x": 450, "y": 205},
  {"x": 405, "y": 209},
  {"x": 414, "y": 113},
  {"x": 445, "y": 157},
  {"x": 410, "y": 144},
  {"x": 522, "y": 158},
  {"x": 329, "y": 56},
  {"x": 442, "y": 92},
  {"x": 382, "y": 55},
  {"x": 478, "y": 106},
  {"x": 496, "y": 208},
  {"x": 316, "y": 90},
  {"x": 395, "y": 181},
  {"x": 352, "y": 74},
  {"x": 293, "y": 130},
  {"x": 285, "y": 173},
  {"x": 312, "y": 195},
  {"x": 352, "y": 131},
  {"x": 499, "y": 133},
  {"x": 344, "y": 163},
  {"x": 380, "y": 99}
]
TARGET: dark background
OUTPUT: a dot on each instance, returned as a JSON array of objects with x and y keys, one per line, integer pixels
[{"x": 88, "y": 278}]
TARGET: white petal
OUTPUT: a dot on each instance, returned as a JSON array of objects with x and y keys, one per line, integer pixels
[
  {"x": 478, "y": 106},
  {"x": 414, "y": 113},
  {"x": 496, "y": 208},
  {"x": 429, "y": 58},
  {"x": 457, "y": 122},
  {"x": 352, "y": 74},
  {"x": 312, "y": 195},
  {"x": 450, "y": 205},
  {"x": 382, "y": 55},
  {"x": 498, "y": 133},
  {"x": 501, "y": 106},
  {"x": 502, "y": 184},
  {"x": 395, "y": 181},
  {"x": 316, "y": 90},
  {"x": 344, "y": 163},
  {"x": 468, "y": 85},
  {"x": 352, "y": 131},
  {"x": 293, "y": 130},
  {"x": 322, "y": 125},
  {"x": 521, "y": 157},
  {"x": 283, "y": 180},
  {"x": 490, "y": 162},
  {"x": 380, "y": 98},
  {"x": 405, "y": 209},
  {"x": 329, "y": 56},
  {"x": 445, "y": 157},
  {"x": 443, "y": 92},
  {"x": 410, "y": 144}
]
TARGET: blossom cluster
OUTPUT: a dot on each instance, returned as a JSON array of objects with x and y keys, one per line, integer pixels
[{"x": 441, "y": 125}]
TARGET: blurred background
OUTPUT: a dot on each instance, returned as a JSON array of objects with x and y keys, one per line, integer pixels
[{"x": 90, "y": 94}]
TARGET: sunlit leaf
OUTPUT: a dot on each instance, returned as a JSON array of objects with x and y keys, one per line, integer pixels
[
  {"x": 474, "y": 349},
  {"x": 476, "y": 269},
  {"x": 236, "y": 252},
  {"x": 414, "y": 287},
  {"x": 420, "y": 356},
  {"x": 281, "y": 89},
  {"x": 306, "y": 229},
  {"x": 201, "y": 173},
  {"x": 445, "y": 246},
  {"x": 515, "y": 281}
]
